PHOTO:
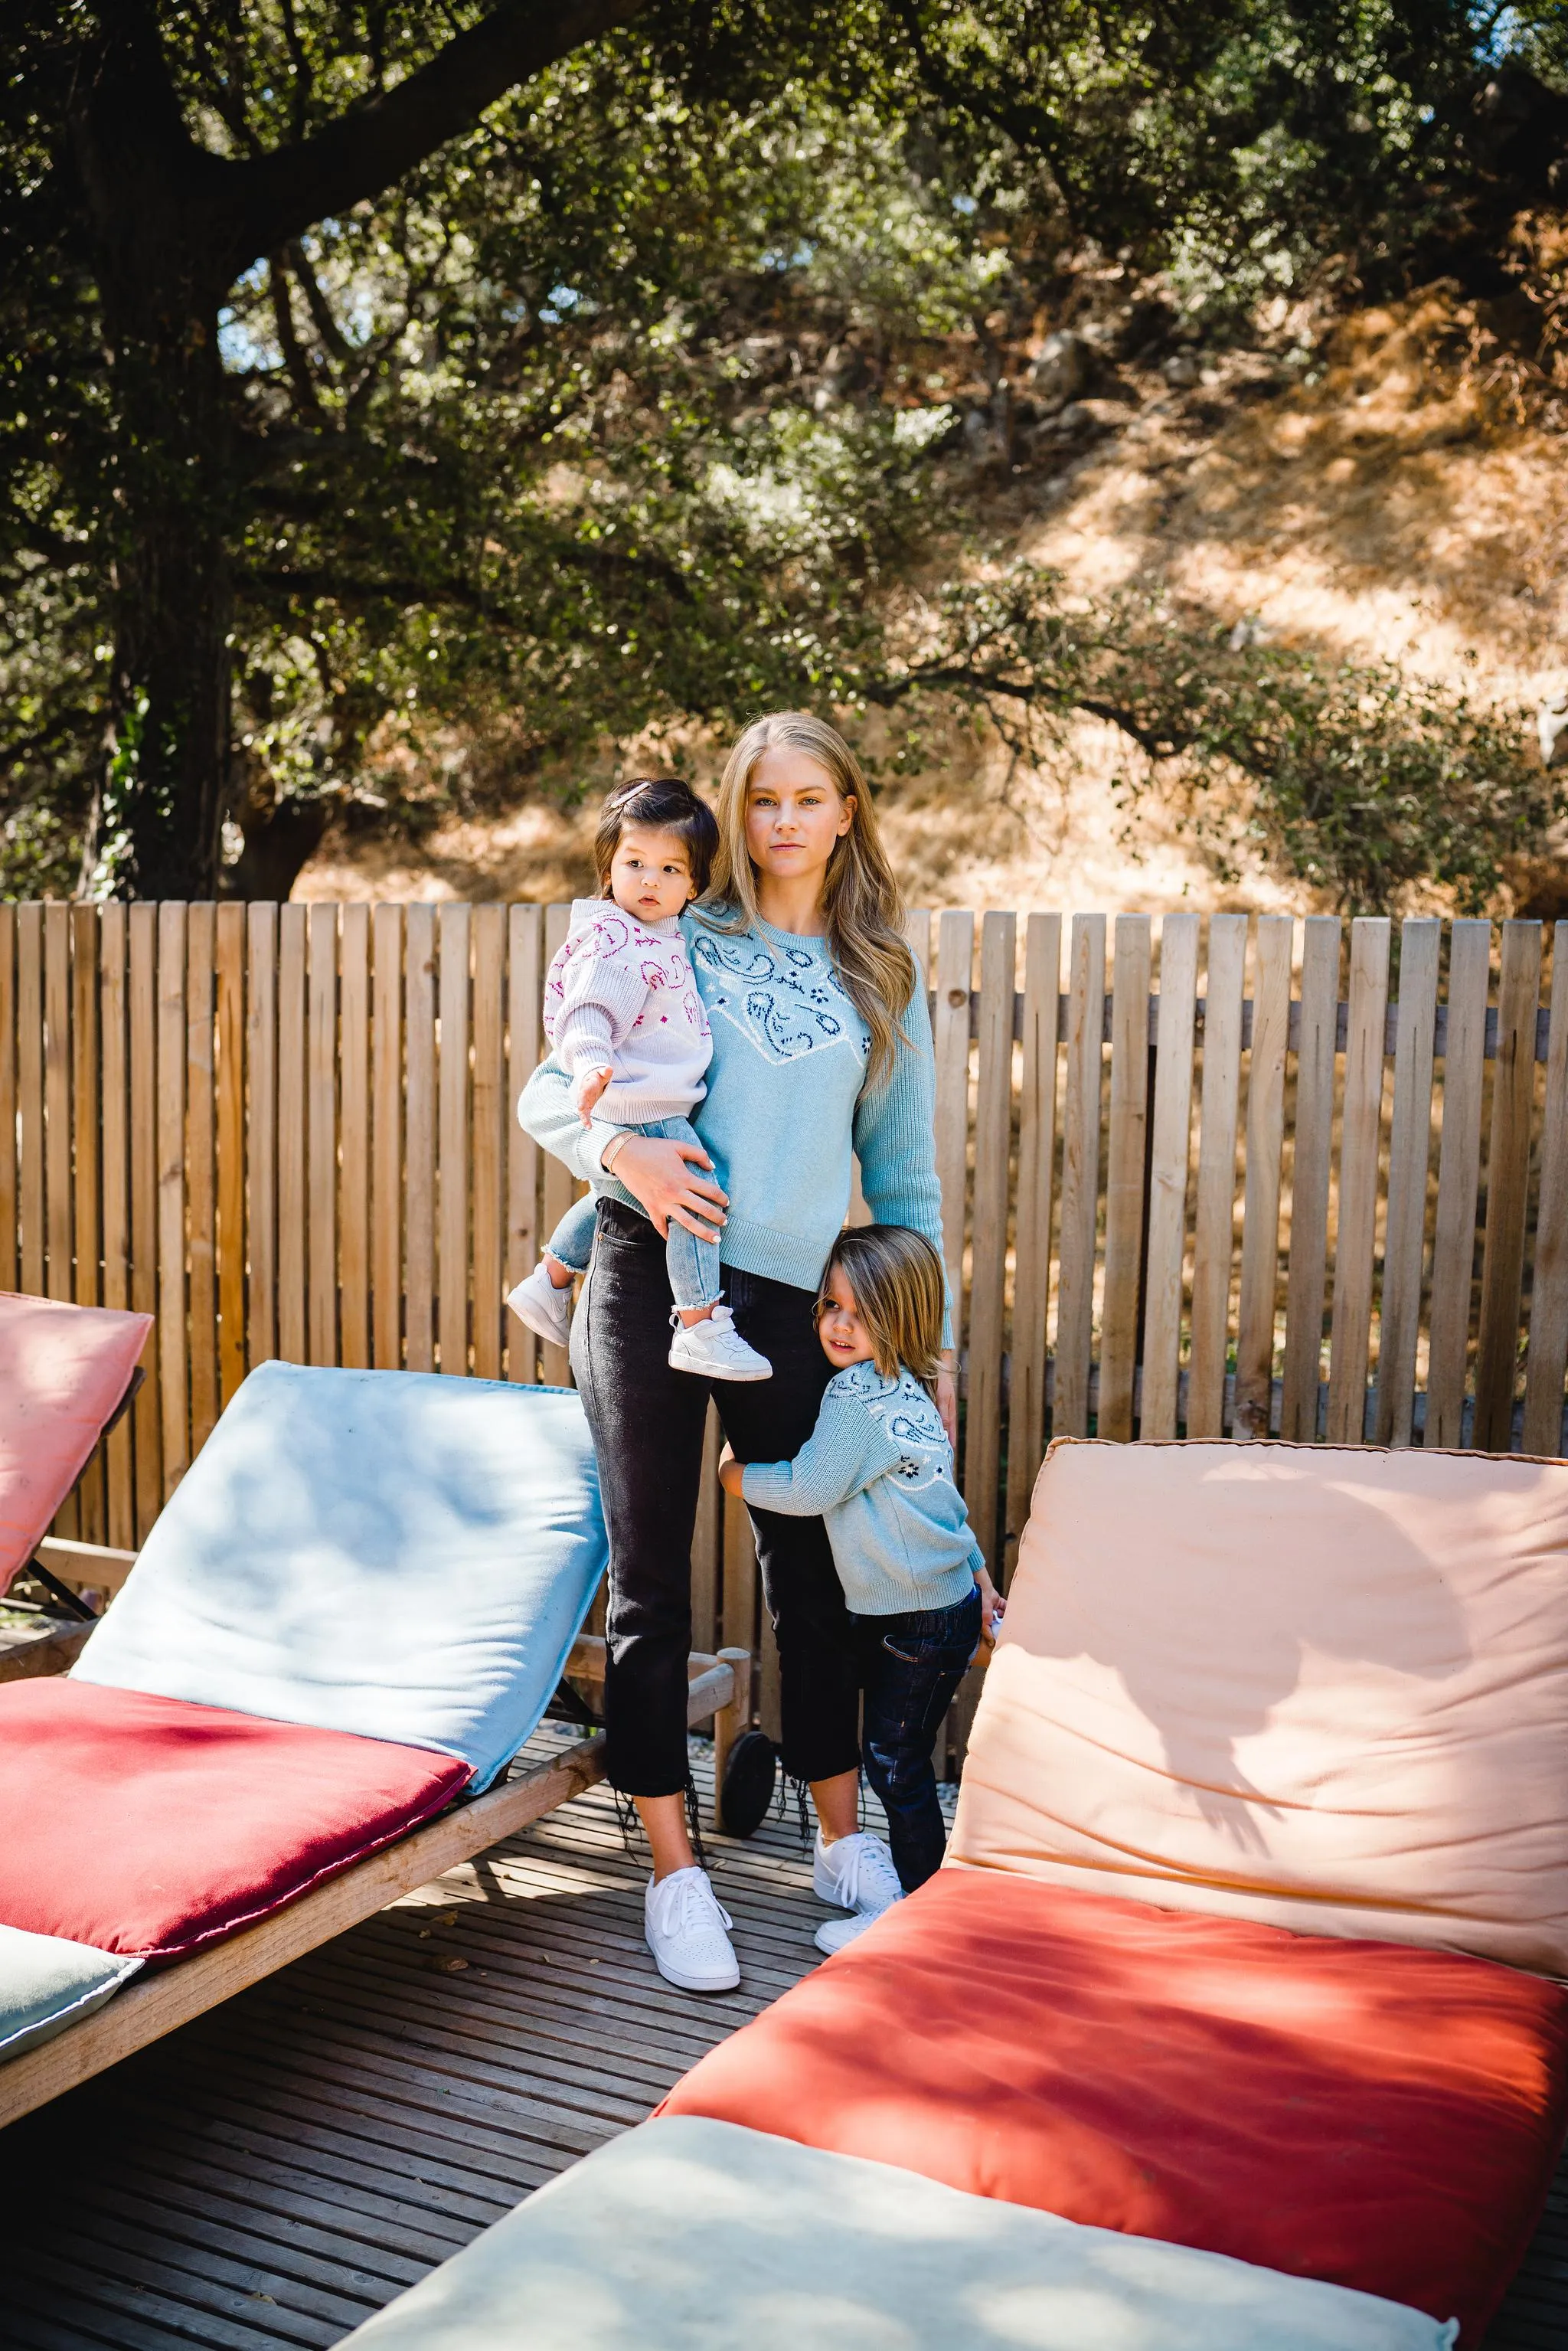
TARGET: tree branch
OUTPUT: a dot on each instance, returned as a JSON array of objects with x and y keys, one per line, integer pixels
[
  {"x": 274, "y": 198},
  {"x": 959, "y": 677},
  {"x": 294, "y": 359}
]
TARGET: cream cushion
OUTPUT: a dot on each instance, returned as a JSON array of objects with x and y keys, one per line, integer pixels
[
  {"x": 1322, "y": 1687},
  {"x": 692, "y": 2235}
]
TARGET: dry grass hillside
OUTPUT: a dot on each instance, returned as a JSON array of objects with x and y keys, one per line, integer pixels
[{"x": 1394, "y": 500}]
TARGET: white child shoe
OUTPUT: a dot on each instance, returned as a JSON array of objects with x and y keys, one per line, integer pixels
[
  {"x": 834, "y": 1933},
  {"x": 715, "y": 1349},
  {"x": 688, "y": 1932},
  {"x": 857, "y": 1873},
  {"x": 544, "y": 1309}
]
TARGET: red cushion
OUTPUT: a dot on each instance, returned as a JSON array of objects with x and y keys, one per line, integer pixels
[
  {"x": 1368, "y": 2114},
  {"x": 63, "y": 1371},
  {"x": 147, "y": 1824}
]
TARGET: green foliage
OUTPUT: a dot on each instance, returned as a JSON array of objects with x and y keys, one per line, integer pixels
[
  {"x": 1367, "y": 782},
  {"x": 628, "y": 404},
  {"x": 1357, "y": 778}
]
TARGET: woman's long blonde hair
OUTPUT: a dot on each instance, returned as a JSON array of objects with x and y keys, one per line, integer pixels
[{"x": 861, "y": 903}]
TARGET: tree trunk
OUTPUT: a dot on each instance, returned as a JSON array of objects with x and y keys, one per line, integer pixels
[
  {"x": 169, "y": 226},
  {"x": 150, "y": 200},
  {"x": 164, "y": 788}
]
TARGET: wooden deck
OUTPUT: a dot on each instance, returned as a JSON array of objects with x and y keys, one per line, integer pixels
[{"x": 274, "y": 2172}]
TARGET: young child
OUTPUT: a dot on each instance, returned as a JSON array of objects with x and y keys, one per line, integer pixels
[
  {"x": 625, "y": 1020},
  {"x": 879, "y": 1470}
]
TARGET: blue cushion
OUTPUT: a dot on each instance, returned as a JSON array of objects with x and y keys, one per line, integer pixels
[
  {"x": 46, "y": 1984},
  {"x": 394, "y": 1553}
]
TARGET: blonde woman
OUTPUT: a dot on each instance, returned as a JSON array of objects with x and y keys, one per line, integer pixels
[{"x": 821, "y": 1048}]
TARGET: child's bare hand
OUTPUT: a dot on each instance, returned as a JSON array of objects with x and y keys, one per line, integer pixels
[
  {"x": 731, "y": 1473},
  {"x": 587, "y": 1090}
]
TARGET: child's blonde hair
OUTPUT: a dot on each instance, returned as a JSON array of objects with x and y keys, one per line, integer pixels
[{"x": 896, "y": 1277}]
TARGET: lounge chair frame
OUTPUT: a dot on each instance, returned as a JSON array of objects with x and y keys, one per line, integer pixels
[{"x": 164, "y": 1998}]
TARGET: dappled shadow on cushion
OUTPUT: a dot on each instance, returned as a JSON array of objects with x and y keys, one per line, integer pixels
[
  {"x": 1321, "y": 1686},
  {"x": 1373, "y": 2116}
]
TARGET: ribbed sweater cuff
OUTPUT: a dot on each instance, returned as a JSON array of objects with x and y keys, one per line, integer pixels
[{"x": 582, "y": 1037}]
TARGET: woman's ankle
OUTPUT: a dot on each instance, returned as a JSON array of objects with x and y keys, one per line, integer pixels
[{"x": 663, "y": 1820}]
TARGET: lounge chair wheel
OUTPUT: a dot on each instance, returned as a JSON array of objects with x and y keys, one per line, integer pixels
[{"x": 747, "y": 1789}]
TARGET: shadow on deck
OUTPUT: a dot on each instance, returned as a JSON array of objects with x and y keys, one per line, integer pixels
[{"x": 274, "y": 2172}]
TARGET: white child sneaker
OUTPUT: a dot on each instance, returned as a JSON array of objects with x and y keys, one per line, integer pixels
[
  {"x": 857, "y": 1873},
  {"x": 834, "y": 1933},
  {"x": 544, "y": 1309},
  {"x": 716, "y": 1350},
  {"x": 687, "y": 1932}
]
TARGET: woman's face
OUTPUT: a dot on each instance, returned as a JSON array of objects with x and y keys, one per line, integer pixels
[{"x": 793, "y": 816}]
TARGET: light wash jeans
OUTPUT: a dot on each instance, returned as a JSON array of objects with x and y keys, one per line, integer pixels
[{"x": 692, "y": 1265}]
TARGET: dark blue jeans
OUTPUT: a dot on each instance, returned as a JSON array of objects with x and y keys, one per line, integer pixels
[{"x": 911, "y": 1668}]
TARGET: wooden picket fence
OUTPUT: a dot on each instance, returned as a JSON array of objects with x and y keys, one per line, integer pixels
[{"x": 1229, "y": 1181}]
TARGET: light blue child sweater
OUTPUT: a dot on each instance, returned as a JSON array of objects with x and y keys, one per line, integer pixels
[
  {"x": 878, "y": 1469},
  {"x": 787, "y": 1100}
]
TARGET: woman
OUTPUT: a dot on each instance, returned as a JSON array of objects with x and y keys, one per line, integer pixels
[{"x": 822, "y": 1046}]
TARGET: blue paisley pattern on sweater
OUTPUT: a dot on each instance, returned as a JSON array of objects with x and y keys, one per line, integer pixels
[
  {"x": 910, "y": 1418},
  {"x": 878, "y": 1468},
  {"x": 791, "y": 1104},
  {"x": 787, "y": 999}
]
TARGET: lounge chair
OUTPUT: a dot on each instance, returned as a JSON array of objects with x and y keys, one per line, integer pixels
[
  {"x": 67, "y": 1375},
  {"x": 350, "y": 1617},
  {"x": 1243, "y": 1952}
]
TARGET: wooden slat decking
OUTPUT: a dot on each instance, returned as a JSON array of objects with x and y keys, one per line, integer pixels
[{"x": 277, "y": 2170}]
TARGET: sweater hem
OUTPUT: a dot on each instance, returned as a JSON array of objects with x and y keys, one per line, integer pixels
[
  {"x": 775, "y": 1256},
  {"x": 886, "y": 1597}
]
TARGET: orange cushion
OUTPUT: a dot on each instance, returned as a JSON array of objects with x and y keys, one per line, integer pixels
[
  {"x": 1326, "y": 1688},
  {"x": 1362, "y": 2113},
  {"x": 63, "y": 1371}
]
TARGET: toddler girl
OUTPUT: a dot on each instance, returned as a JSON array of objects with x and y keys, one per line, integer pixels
[
  {"x": 878, "y": 1468},
  {"x": 626, "y": 1023}
]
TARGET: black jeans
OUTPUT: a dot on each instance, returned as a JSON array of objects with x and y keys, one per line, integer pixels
[
  {"x": 912, "y": 1666},
  {"x": 647, "y": 1423}
]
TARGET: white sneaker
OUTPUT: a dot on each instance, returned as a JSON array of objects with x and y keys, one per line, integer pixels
[
  {"x": 834, "y": 1933},
  {"x": 857, "y": 1873},
  {"x": 716, "y": 1350},
  {"x": 687, "y": 1932},
  {"x": 544, "y": 1309}
]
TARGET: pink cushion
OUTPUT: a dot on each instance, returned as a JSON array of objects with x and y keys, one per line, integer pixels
[
  {"x": 63, "y": 1371},
  {"x": 148, "y": 1825},
  {"x": 1322, "y": 1687}
]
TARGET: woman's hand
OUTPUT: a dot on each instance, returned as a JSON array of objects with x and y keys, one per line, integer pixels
[
  {"x": 947, "y": 1400},
  {"x": 659, "y": 1176},
  {"x": 731, "y": 1473}
]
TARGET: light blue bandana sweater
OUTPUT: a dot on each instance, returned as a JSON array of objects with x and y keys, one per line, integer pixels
[
  {"x": 878, "y": 1469},
  {"x": 788, "y": 1100}
]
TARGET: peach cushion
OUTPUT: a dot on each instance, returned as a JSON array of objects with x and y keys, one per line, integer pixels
[
  {"x": 63, "y": 1371},
  {"x": 1322, "y": 1687}
]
